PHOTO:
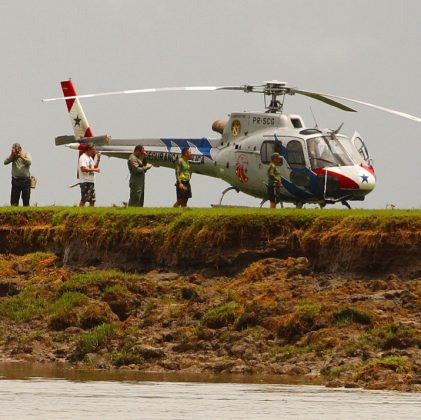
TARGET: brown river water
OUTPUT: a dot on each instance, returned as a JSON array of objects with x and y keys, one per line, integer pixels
[{"x": 51, "y": 392}]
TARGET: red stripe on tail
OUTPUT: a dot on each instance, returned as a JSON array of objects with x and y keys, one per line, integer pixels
[
  {"x": 88, "y": 132},
  {"x": 68, "y": 90}
]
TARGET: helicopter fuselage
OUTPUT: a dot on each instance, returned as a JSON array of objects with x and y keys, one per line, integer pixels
[{"x": 319, "y": 166}]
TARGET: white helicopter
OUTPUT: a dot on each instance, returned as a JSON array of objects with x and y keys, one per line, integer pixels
[{"x": 320, "y": 166}]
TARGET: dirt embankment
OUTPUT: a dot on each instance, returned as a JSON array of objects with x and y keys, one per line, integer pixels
[{"x": 334, "y": 297}]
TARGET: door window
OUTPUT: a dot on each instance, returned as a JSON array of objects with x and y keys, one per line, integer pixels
[
  {"x": 295, "y": 154},
  {"x": 268, "y": 148}
]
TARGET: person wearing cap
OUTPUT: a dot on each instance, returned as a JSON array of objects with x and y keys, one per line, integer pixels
[
  {"x": 21, "y": 175},
  {"x": 138, "y": 166},
  {"x": 88, "y": 167},
  {"x": 274, "y": 179},
  {"x": 183, "y": 175}
]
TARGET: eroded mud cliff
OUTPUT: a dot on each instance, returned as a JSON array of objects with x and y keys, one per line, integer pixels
[{"x": 330, "y": 296}]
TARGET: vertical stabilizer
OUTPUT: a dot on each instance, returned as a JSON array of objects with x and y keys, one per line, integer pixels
[{"x": 78, "y": 119}]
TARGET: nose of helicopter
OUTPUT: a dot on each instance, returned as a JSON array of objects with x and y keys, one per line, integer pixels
[{"x": 365, "y": 178}]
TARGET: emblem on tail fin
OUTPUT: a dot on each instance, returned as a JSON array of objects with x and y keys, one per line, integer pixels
[{"x": 78, "y": 119}]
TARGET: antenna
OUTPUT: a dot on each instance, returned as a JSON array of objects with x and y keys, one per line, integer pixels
[{"x": 314, "y": 118}]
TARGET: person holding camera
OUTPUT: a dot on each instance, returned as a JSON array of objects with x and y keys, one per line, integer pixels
[
  {"x": 88, "y": 167},
  {"x": 21, "y": 175}
]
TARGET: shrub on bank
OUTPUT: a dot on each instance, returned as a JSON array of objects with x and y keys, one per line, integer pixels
[{"x": 222, "y": 315}]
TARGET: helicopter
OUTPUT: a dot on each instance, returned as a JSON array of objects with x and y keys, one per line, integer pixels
[{"x": 320, "y": 166}]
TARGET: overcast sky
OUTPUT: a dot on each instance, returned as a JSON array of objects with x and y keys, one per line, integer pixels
[{"x": 367, "y": 50}]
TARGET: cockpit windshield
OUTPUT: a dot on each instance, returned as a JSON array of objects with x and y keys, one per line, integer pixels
[
  {"x": 357, "y": 151},
  {"x": 326, "y": 152}
]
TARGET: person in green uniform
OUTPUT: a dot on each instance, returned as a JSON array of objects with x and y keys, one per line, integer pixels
[
  {"x": 274, "y": 179},
  {"x": 183, "y": 175},
  {"x": 137, "y": 167},
  {"x": 21, "y": 176}
]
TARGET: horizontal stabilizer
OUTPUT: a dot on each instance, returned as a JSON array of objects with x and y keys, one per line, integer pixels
[
  {"x": 97, "y": 140},
  {"x": 62, "y": 140}
]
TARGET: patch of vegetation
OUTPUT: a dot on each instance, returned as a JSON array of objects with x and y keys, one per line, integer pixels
[
  {"x": 176, "y": 310},
  {"x": 91, "y": 341},
  {"x": 395, "y": 336},
  {"x": 30, "y": 304},
  {"x": 115, "y": 289},
  {"x": 308, "y": 312},
  {"x": 283, "y": 353},
  {"x": 256, "y": 333},
  {"x": 187, "y": 293},
  {"x": 41, "y": 258},
  {"x": 98, "y": 282},
  {"x": 151, "y": 305},
  {"x": 221, "y": 315},
  {"x": 349, "y": 315},
  {"x": 334, "y": 372},
  {"x": 126, "y": 357},
  {"x": 24, "y": 306},
  {"x": 303, "y": 320},
  {"x": 6, "y": 268},
  {"x": 62, "y": 309},
  {"x": 67, "y": 301},
  {"x": 396, "y": 363}
]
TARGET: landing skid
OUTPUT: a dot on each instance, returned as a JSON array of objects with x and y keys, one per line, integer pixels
[
  {"x": 343, "y": 201},
  {"x": 346, "y": 204},
  {"x": 222, "y": 197}
]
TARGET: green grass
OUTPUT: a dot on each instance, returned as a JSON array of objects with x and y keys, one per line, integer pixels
[
  {"x": 115, "y": 289},
  {"x": 67, "y": 301},
  {"x": 221, "y": 316},
  {"x": 283, "y": 353},
  {"x": 394, "y": 336},
  {"x": 37, "y": 257},
  {"x": 24, "y": 306},
  {"x": 334, "y": 372},
  {"x": 163, "y": 230},
  {"x": 106, "y": 281},
  {"x": 308, "y": 311},
  {"x": 396, "y": 363},
  {"x": 349, "y": 315},
  {"x": 92, "y": 340},
  {"x": 132, "y": 216},
  {"x": 29, "y": 304}
]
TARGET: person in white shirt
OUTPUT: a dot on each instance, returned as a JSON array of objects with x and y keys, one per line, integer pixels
[{"x": 88, "y": 166}]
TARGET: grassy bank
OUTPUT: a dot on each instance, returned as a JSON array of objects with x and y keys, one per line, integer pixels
[{"x": 221, "y": 239}]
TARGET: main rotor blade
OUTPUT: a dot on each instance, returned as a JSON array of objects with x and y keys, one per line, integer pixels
[
  {"x": 380, "y": 108},
  {"x": 150, "y": 90},
  {"x": 323, "y": 98}
]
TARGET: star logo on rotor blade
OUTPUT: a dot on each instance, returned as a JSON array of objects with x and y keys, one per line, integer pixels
[
  {"x": 77, "y": 121},
  {"x": 364, "y": 178}
]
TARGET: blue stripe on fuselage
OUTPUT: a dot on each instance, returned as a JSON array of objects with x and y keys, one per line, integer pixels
[
  {"x": 202, "y": 144},
  {"x": 294, "y": 190}
]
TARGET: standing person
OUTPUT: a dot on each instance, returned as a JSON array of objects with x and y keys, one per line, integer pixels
[
  {"x": 183, "y": 175},
  {"x": 88, "y": 166},
  {"x": 21, "y": 176},
  {"x": 274, "y": 179},
  {"x": 137, "y": 167}
]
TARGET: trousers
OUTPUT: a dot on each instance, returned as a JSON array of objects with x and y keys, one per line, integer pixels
[
  {"x": 137, "y": 193},
  {"x": 20, "y": 187}
]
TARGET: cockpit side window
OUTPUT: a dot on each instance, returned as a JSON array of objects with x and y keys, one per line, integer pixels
[
  {"x": 362, "y": 150},
  {"x": 268, "y": 148}
]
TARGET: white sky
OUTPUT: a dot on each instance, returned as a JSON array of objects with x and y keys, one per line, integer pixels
[{"x": 367, "y": 50}]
